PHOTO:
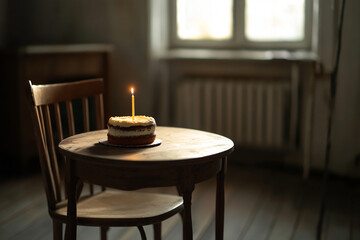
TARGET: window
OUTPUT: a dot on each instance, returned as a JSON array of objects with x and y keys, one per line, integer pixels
[
  {"x": 245, "y": 24},
  {"x": 204, "y": 20}
]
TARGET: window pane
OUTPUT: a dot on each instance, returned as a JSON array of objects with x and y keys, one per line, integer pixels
[
  {"x": 275, "y": 20},
  {"x": 204, "y": 19}
]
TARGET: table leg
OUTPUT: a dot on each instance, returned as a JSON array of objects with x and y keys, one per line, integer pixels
[
  {"x": 157, "y": 231},
  {"x": 185, "y": 190},
  {"x": 187, "y": 221},
  {"x": 220, "y": 201},
  {"x": 70, "y": 232}
]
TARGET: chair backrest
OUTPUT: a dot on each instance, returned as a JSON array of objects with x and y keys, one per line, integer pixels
[{"x": 53, "y": 104}]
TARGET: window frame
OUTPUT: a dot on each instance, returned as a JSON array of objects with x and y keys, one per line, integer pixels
[{"x": 239, "y": 41}]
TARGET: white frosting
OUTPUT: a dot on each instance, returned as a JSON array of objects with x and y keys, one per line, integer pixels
[
  {"x": 127, "y": 121},
  {"x": 120, "y": 133}
]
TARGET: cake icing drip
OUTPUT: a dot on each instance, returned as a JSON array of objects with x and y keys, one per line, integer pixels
[{"x": 127, "y": 121}]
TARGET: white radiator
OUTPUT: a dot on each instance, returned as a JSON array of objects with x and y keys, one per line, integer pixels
[{"x": 253, "y": 113}]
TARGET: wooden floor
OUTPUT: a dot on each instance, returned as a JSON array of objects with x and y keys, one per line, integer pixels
[{"x": 260, "y": 204}]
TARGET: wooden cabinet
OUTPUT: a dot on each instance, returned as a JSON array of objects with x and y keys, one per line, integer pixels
[{"x": 42, "y": 64}]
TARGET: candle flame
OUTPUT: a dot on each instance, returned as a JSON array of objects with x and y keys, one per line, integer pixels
[{"x": 132, "y": 90}]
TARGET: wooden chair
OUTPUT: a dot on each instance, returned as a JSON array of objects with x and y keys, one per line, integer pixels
[{"x": 106, "y": 208}]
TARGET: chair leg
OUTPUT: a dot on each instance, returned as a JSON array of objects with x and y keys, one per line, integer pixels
[
  {"x": 57, "y": 230},
  {"x": 157, "y": 231},
  {"x": 103, "y": 232},
  {"x": 142, "y": 232}
]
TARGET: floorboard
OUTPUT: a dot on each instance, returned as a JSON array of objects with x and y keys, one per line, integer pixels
[
  {"x": 288, "y": 214},
  {"x": 263, "y": 216},
  {"x": 355, "y": 214}
]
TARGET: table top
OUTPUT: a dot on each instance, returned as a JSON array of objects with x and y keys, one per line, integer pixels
[{"x": 180, "y": 146}]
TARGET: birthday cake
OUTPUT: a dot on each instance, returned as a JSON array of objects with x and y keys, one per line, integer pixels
[{"x": 128, "y": 131}]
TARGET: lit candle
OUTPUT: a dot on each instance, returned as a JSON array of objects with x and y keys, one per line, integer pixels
[{"x": 133, "y": 103}]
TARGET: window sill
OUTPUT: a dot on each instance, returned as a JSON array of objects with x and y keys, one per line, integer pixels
[{"x": 210, "y": 54}]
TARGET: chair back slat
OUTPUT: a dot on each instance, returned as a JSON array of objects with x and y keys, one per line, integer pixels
[
  {"x": 70, "y": 115},
  {"x": 99, "y": 108},
  {"x": 52, "y": 154},
  {"x": 40, "y": 116},
  {"x": 85, "y": 104},
  {"x": 45, "y": 162},
  {"x": 58, "y": 122},
  {"x": 60, "y": 136},
  {"x": 47, "y": 112},
  {"x": 86, "y": 120}
]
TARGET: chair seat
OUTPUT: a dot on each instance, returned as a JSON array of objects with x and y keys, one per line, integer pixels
[{"x": 123, "y": 208}]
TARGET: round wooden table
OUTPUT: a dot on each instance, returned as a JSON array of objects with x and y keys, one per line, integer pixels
[{"x": 184, "y": 158}]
